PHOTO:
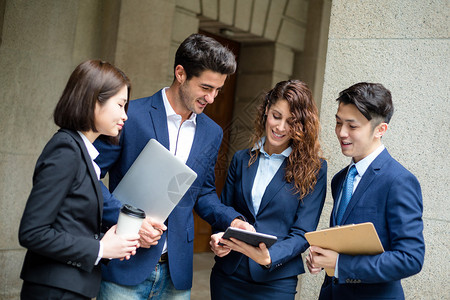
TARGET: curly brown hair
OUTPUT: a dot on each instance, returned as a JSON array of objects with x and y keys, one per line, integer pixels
[{"x": 304, "y": 162}]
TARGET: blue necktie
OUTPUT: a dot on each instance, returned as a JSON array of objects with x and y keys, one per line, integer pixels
[{"x": 347, "y": 192}]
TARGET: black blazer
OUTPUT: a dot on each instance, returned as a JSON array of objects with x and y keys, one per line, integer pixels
[{"x": 61, "y": 223}]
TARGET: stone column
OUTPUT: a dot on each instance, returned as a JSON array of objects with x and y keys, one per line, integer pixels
[
  {"x": 143, "y": 44},
  {"x": 41, "y": 43},
  {"x": 310, "y": 63}
]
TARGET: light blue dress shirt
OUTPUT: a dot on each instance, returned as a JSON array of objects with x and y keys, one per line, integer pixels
[{"x": 267, "y": 167}]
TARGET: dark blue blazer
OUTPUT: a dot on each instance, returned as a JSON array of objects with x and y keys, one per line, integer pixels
[
  {"x": 390, "y": 197},
  {"x": 282, "y": 213},
  {"x": 146, "y": 120},
  {"x": 61, "y": 222}
]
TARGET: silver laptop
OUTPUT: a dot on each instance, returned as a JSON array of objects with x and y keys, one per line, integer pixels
[{"x": 155, "y": 182}]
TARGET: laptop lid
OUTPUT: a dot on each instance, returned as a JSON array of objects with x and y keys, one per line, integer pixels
[{"x": 155, "y": 182}]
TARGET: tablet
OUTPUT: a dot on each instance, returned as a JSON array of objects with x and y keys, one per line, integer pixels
[{"x": 250, "y": 237}]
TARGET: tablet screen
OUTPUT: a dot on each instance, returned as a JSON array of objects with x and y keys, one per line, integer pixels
[{"x": 249, "y": 237}]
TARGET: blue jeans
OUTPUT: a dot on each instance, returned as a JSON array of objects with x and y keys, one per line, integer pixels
[{"x": 157, "y": 286}]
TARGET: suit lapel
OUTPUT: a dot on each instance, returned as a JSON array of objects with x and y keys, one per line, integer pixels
[
  {"x": 159, "y": 119},
  {"x": 336, "y": 189},
  {"x": 365, "y": 182},
  {"x": 198, "y": 144},
  {"x": 274, "y": 186},
  {"x": 248, "y": 178},
  {"x": 92, "y": 174}
]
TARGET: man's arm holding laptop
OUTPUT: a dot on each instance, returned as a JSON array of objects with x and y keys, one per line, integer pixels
[
  {"x": 208, "y": 205},
  {"x": 150, "y": 232}
]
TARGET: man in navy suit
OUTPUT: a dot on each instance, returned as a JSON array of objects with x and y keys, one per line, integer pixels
[
  {"x": 173, "y": 116},
  {"x": 380, "y": 191}
]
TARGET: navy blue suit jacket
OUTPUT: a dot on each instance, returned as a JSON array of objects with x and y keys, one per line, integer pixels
[
  {"x": 390, "y": 197},
  {"x": 146, "y": 120},
  {"x": 281, "y": 213}
]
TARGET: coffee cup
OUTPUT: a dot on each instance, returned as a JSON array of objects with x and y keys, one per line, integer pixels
[{"x": 130, "y": 220}]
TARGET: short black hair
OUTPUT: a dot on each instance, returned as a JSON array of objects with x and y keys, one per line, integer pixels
[
  {"x": 92, "y": 81},
  {"x": 198, "y": 53},
  {"x": 373, "y": 100}
]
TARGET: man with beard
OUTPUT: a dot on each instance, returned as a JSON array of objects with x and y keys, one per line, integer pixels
[{"x": 173, "y": 116}]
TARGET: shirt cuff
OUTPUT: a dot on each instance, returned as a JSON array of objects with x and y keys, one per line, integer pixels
[
  {"x": 336, "y": 269},
  {"x": 100, "y": 253}
]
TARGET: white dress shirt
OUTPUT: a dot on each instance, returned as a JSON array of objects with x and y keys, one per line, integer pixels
[
  {"x": 93, "y": 153},
  {"x": 181, "y": 135}
]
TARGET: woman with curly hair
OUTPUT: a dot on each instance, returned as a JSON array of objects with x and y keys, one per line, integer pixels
[{"x": 279, "y": 185}]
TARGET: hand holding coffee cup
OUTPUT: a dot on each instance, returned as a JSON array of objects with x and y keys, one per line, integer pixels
[
  {"x": 130, "y": 220},
  {"x": 122, "y": 240},
  {"x": 119, "y": 246}
]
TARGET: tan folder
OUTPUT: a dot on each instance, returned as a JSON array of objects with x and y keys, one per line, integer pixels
[{"x": 353, "y": 239}]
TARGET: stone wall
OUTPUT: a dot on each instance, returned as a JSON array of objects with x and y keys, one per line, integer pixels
[{"x": 41, "y": 44}]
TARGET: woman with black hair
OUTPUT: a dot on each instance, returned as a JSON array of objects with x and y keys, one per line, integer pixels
[{"x": 61, "y": 224}]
